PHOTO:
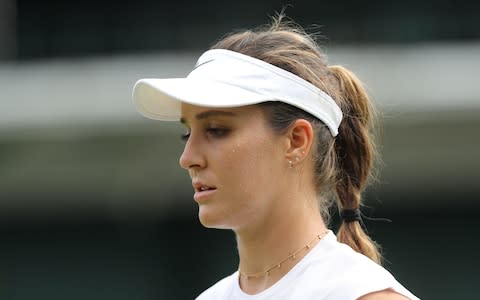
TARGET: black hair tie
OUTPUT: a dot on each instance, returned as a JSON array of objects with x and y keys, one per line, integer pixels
[{"x": 350, "y": 215}]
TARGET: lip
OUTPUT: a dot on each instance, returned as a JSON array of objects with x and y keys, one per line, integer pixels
[{"x": 201, "y": 196}]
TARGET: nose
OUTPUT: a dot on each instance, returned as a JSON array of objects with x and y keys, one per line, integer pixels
[{"x": 192, "y": 156}]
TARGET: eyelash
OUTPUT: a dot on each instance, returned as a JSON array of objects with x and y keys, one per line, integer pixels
[
  {"x": 216, "y": 132},
  {"x": 184, "y": 137}
]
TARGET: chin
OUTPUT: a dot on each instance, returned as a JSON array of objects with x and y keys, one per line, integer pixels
[{"x": 210, "y": 219}]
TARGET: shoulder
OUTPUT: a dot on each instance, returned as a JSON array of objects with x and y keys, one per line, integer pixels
[
  {"x": 351, "y": 275},
  {"x": 219, "y": 289},
  {"x": 383, "y": 295}
]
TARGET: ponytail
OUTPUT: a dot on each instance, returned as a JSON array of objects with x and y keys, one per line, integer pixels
[{"x": 355, "y": 152}]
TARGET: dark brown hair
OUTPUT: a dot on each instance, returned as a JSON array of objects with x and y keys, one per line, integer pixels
[{"x": 343, "y": 164}]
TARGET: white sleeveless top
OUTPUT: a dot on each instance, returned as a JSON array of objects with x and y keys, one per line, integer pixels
[{"x": 331, "y": 270}]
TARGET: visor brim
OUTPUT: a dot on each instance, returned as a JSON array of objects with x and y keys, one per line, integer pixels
[{"x": 161, "y": 99}]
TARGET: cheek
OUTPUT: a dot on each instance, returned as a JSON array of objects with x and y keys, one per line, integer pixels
[
  {"x": 240, "y": 163},
  {"x": 251, "y": 166}
]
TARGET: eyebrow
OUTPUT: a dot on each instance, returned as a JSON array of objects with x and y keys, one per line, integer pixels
[{"x": 210, "y": 113}]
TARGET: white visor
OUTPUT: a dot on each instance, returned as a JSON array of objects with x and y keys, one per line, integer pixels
[{"x": 224, "y": 78}]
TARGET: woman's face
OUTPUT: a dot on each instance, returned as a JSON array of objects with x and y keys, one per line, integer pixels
[{"x": 235, "y": 162}]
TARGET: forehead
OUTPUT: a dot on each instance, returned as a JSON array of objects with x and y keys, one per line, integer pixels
[{"x": 190, "y": 113}]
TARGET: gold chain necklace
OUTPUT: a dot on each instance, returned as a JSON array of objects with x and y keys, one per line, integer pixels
[{"x": 278, "y": 265}]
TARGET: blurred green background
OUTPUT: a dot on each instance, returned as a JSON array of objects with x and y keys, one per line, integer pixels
[{"x": 93, "y": 204}]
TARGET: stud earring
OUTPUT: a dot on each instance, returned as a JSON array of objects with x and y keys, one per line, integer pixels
[{"x": 290, "y": 163}]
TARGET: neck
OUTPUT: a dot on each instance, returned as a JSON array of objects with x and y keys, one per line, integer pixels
[{"x": 285, "y": 232}]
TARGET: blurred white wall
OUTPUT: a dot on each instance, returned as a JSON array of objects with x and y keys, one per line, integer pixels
[{"x": 419, "y": 78}]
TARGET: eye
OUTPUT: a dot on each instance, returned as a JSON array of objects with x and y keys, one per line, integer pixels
[
  {"x": 217, "y": 131},
  {"x": 184, "y": 137}
]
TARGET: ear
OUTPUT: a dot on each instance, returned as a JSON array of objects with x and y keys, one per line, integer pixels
[{"x": 300, "y": 139}]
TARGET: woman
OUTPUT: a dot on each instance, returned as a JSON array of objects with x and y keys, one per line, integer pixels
[{"x": 273, "y": 133}]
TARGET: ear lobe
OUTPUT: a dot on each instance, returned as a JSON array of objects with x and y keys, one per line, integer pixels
[{"x": 301, "y": 138}]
